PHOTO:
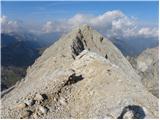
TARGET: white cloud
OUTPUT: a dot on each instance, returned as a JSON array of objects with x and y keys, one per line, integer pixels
[
  {"x": 55, "y": 26},
  {"x": 8, "y": 26},
  {"x": 146, "y": 31},
  {"x": 3, "y": 19},
  {"x": 111, "y": 23},
  {"x": 49, "y": 26}
]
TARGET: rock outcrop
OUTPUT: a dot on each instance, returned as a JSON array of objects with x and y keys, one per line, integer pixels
[
  {"x": 147, "y": 66},
  {"x": 83, "y": 75}
]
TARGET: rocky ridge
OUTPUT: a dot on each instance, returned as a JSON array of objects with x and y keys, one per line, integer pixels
[{"x": 83, "y": 75}]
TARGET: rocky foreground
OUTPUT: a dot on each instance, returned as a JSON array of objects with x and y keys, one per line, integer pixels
[{"x": 83, "y": 75}]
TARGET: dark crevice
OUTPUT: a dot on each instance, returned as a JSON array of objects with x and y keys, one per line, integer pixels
[
  {"x": 45, "y": 96},
  {"x": 101, "y": 39},
  {"x": 85, "y": 42},
  {"x": 73, "y": 79},
  {"x": 73, "y": 57},
  {"x": 77, "y": 47},
  {"x": 106, "y": 56}
]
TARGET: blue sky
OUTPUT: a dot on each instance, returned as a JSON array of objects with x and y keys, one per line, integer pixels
[{"x": 146, "y": 12}]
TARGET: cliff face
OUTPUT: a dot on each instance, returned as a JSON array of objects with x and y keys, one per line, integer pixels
[
  {"x": 83, "y": 75},
  {"x": 146, "y": 65}
]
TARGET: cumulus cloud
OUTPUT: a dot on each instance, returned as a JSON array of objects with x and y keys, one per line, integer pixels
[
  {"x": 112, "y": 24},
  {"x": 56, "y": 26},
  {"x": 146, "y": 31},
  {"x": 8, "y": 26}
]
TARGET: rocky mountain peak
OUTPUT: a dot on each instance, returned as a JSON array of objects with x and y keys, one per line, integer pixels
[{"x": 82, "y": 75}]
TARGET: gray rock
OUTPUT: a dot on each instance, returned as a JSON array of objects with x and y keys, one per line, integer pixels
[
  {"x": 62, "y": 101},
  {"x": 26, "y": 114},
  {"x": 128, "y": 115},
  {"x": 29, "y": 102},
  {"x": 43, "y": 109},
  {"x": 38, "y": 97},
  {"x": 21, "y": 105},
  {"x": 35, "y": 115}
]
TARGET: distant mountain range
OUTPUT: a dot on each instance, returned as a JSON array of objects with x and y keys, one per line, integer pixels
[
  {"x": 17, "y": 53},
  {"x": 134, "y": 46}
]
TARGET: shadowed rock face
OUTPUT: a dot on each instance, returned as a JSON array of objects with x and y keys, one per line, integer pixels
[
  {"x": 136, "y": 112},
  {"x": 82, "y": 76},
  {"x": 77, "y": 47}
]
